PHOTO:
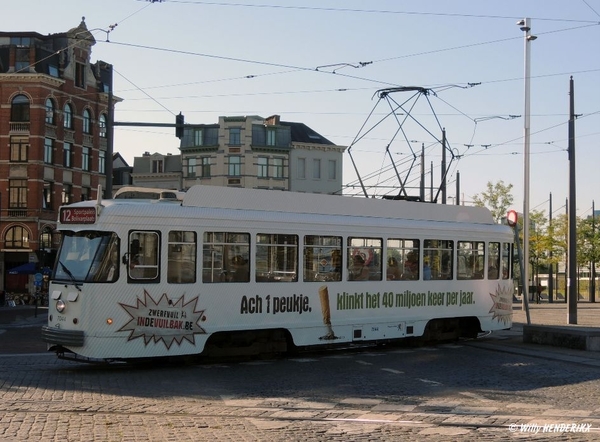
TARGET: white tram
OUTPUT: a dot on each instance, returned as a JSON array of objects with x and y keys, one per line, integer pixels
[{"x": 268, "y": 271}]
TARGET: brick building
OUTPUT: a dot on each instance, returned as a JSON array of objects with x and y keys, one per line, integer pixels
[{"x": 54, "y": 106}]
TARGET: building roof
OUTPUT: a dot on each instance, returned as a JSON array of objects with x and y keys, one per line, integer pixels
[{"x": 301, "y": 133}]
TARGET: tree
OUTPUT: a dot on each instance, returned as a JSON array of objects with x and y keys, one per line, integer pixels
[
  {"x": 498, "y": 198},
  {"x": 588, "y": 242},
  {"x": 541, "y": 242}
]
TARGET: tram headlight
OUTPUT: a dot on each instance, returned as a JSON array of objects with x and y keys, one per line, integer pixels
[{"x": 60, "y": 306}]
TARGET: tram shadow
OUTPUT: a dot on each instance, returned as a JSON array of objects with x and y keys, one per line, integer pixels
[{"x": 399, "y": 373}]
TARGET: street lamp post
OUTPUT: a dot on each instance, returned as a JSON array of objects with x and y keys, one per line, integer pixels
[{"x": 525, "y": 25}]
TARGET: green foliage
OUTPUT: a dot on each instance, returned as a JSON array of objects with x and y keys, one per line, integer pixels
[{"x": 498, "y": 198}]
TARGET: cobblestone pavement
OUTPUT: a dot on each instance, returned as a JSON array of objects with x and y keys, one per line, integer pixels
[{"x": 474, "y": 390}]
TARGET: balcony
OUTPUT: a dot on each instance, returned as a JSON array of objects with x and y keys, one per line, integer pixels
[
  {"x": 19, "y": 127},
  {"x": 17, "y": 213}
]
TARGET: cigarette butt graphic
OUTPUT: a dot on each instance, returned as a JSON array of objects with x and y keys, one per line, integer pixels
[{"x": 326, "y": 312}]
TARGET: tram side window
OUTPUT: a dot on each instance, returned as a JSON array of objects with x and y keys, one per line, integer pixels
[
  {"x": 226, "y": 257},
  {"x": 276, "y": 258},
  {"x": 437, "y": 259},
  {"x": 471, "y": 259},
  {"x": 506, "y": 254},
  {"x": 181, "y": 267},
  {"x": 494, "y": 260},
  {"x": 364, "y": 259},
  {"x": 402, "y": 259},
  {"x": 143, "y": 255},
  {"x": 322, "y": 258}
]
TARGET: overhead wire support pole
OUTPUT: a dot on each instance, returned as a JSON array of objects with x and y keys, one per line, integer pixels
[
  {"x": 444, "y": 171},
  {"x": 593, "y": 263},
  {"x": 572, "y": 289},
  {"x": 525, "y": 25}
]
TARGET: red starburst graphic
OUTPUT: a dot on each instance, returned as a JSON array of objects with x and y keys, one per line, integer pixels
[{"x": 166, "y": 320}]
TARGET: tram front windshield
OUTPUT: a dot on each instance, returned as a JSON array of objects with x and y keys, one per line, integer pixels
[{"x": 87, "y": 257}]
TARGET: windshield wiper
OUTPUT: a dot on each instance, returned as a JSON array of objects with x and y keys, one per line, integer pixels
[{"x": 70, "y": 275}]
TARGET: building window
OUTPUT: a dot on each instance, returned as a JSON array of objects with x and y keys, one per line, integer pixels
[
  {"x": 47, "y": 196},
  {"x": 205, "y": 167},
  {"x": 157, "y": 166},
  {"x": 19, "y": 147},
  {"x": 101, "y": 162},
  {"x": 86, "y": 193},
  {"x": 198, "y": 137},
  {"x": 48, "y": 150},
  {"x": 278, "y": 168},
  {"x": 19, "y": 111},
  {"x": 67, "y": 192},
  {"x": 235, "y": 165},
  {"x": 87, "y": 122},
  {"x": 301, "y": 168},
  {"x": 317, "y": 169},
  {"x": 68, "y": 121},
  {"x": 49, "y": 111},
  {"x": 235, "y": 136},
  {"x": 102, "y": 125},
  {"x": 53, "y": 70},
  {"x": 263, "y": 167},
  {"x": 85, "y": 158},
  {"x": 271, "y": 137},
  {"x": 20, "y": 42},
  {"x": 17, "y": 238},
  {"x": 80, "y": 75},
  {"x": 332, "y": 169},
  {"x": 17, "y": 194},
  {"x": 191, "y": 168},
  {"x": 68, "y": 154}
]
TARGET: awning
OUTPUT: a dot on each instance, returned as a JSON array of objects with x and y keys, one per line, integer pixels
[{"x": 29, "y": 268}]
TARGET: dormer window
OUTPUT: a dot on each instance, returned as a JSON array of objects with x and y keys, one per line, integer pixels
[
  {"x": 157, "y": 166},
  {"x": 235, "y": 136}
]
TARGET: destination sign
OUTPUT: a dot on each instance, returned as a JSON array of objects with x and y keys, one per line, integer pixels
[{"x": 78, "y": 215}]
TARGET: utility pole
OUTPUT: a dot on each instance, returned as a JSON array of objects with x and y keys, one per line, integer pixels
[
  {"x": 551, "y": 269},
  {"x": 525, "y": 26},
  {"x": 443, "y": 183},
  {"x": 572, "y": 316},
  {"x": 110, "y": 137},
  {"x": 422, "y": 190},
  {"x": 457, "y": 188},
  {"x": 593, "y": 264}
]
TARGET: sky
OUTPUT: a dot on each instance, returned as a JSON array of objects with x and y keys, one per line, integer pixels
[{"x": 382, "y": 77}]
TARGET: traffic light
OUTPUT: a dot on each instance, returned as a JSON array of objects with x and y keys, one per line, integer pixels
[{"x": 179, "y": 126}]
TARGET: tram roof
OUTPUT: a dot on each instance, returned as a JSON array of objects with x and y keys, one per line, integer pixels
[{"x": 314, "y": 203}]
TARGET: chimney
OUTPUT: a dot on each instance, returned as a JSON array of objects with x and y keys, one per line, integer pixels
[{"x": 273, "y": 120}]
